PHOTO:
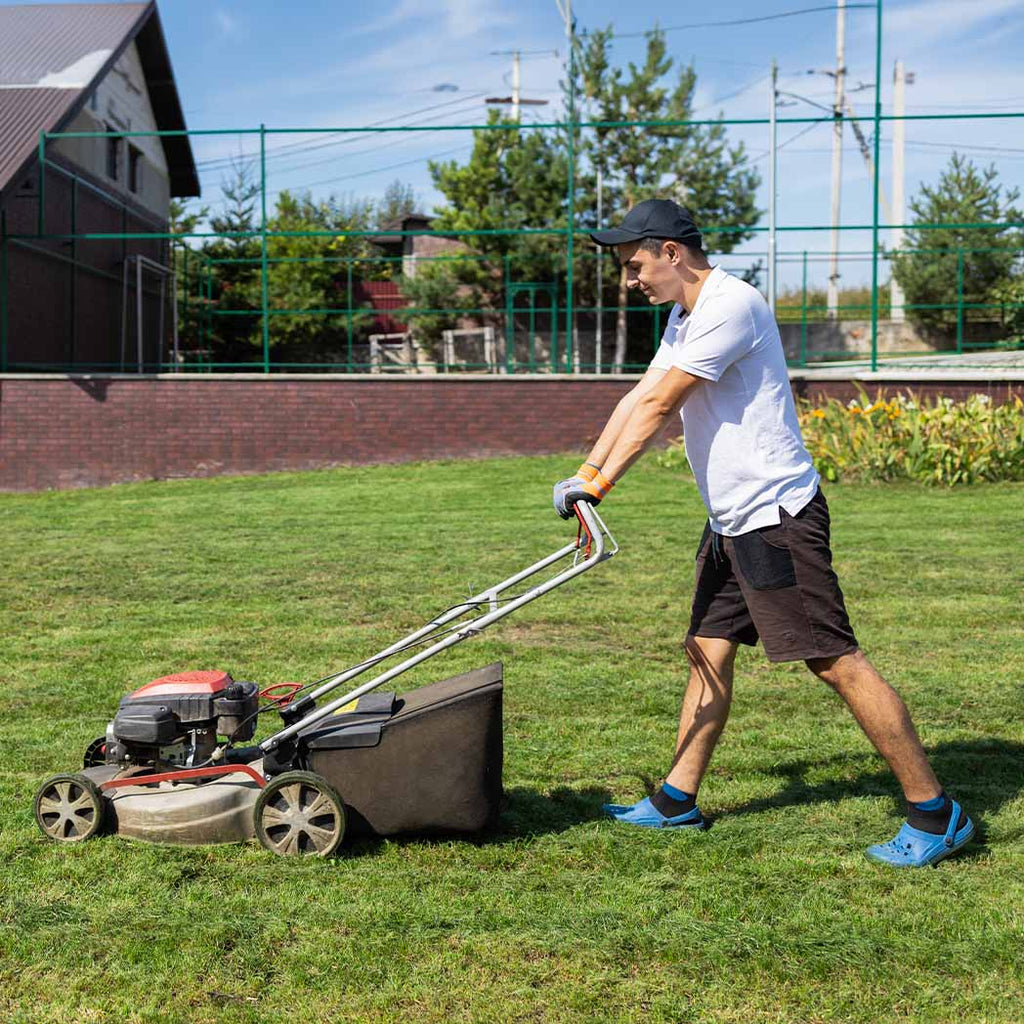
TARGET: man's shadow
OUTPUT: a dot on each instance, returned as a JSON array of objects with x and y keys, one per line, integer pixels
[{"x": 981, "y": 775}]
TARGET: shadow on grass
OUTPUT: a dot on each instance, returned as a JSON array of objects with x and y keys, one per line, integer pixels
[
  {"x": 982, "y": 775},
  {"x": 528, "y": 813},
  {"x": 525, "y": 814}
]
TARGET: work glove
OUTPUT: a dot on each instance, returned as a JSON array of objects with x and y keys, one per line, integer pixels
[
  {"x": 589, "y": 485},
  {"x": 586, "y": 472}
]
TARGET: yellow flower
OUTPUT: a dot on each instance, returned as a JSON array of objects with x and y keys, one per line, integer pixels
[{"x": 818, "y": 414}]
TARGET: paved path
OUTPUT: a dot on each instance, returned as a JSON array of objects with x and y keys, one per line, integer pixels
[{"x": 1007, "y": 365}]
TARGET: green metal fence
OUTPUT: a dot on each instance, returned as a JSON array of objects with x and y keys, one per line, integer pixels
[{"x": 537, "y": 323}]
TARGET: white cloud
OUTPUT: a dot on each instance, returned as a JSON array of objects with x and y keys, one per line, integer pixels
[
  {"x": 227, "y": 23},
  {"x": 929, "y": 20},
  {"x": 453, "y": 19}
]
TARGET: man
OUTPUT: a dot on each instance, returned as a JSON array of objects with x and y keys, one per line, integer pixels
[{"x": 764, "y": 568}]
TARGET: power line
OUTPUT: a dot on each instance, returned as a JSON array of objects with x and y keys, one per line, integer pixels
[
  {"x": 358, "y": 152},
  {"x": 740, "y": 21},
  {"x": 307, "y": 146},
  {"x": 792, "y": 138},
  {"x": 730, "y": 95},
  {"x": 377, "y": 170}
]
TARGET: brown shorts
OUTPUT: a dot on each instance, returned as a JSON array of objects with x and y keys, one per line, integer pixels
[{"x": 775, "y": 583}]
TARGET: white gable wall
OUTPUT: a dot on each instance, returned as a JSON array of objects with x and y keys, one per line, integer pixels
[{"x": 121, "y": 101}]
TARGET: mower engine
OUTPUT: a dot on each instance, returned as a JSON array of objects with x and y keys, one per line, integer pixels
[{"x": 176, "y": 720}]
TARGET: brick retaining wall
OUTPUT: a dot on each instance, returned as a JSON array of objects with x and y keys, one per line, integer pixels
[{"x": 75, "y": 431}]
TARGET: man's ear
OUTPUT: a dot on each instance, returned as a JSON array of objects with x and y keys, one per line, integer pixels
[{"x": 673, "y": 251}]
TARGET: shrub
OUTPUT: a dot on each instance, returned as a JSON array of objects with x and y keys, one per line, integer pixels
[{"x": 932, "y": 442}]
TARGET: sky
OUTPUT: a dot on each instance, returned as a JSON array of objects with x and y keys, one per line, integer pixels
[{"x": 312, "y": 63}]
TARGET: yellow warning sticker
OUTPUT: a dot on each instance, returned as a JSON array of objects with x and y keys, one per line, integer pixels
[{"x": 350, "y": 706}]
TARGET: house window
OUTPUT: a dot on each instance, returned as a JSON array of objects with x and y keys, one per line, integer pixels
[
  {"x": 114, "y": 145},
  {"x": 134, "y": 169}
]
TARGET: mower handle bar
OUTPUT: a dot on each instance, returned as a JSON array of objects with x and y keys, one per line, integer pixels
[{"x": 597, "y": 534}]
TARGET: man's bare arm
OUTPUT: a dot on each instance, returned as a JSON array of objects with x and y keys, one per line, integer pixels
[
  {"x": 645, "y": 418},
  {"x": 618, "y": 419}
]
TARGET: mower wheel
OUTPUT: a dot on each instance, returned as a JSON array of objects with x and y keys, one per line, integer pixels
[
  {"x": 69, "y": 808},
  {"x": 95, "y": 753},
  {"x": 300, "y": 814}
]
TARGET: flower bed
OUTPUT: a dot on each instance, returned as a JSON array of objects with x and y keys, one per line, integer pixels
[{"x": 902, "y": 438}]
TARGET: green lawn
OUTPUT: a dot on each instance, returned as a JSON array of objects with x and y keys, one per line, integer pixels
[{"x": 772, "y": 915}]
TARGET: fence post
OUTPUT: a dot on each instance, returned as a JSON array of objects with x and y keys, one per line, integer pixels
[
  {"x": 348, "y": 314},
  {"x": 803, "y": 315},
  {"x": 875, "y": 189},
  {"x": 553, "y": 295},
  {"x": 571, "y": 198},
  {"x": 74, "y": 270},
  {"x": 959, "y": 301},
  {"x": 510, "y": 343},
  {"x": 3, "y": 292},
  {"x": 184, "y": 285},
  {"x": 263, "y": 246},
  {"x": 41, "y": 156}
]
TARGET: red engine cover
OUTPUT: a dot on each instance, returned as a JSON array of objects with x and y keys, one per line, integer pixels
[{"x": 185, "y": 682}]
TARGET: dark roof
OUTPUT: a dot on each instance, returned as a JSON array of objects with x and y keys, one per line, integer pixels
[
  {"x": 53, "y": 56},
  {"x": 389, "y": 231}
]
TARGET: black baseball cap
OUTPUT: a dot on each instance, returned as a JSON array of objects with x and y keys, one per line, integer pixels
[{"x": 653, "y": 218}]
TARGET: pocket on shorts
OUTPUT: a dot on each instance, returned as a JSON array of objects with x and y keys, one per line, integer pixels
[{"x": 764, "y": 559}]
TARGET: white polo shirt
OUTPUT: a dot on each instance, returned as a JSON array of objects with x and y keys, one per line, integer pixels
[{"x": 740, "y": 429}]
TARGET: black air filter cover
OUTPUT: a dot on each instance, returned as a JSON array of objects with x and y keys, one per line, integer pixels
[{"x": 146, "y": 723}]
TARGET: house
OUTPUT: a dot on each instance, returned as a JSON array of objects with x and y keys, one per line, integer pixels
[
  {"x": 400, "y": 239},
  {"x": 69, "y": 301},
  {"x": 404, "y": 247}
]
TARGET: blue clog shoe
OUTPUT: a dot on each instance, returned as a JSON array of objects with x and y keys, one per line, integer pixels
[
  {"x": 646, "y": 815},
  {"x": 912, "y": 848}
]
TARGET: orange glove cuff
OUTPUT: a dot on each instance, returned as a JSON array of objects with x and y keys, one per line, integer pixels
[
  {"x": 599, "y": 486},
  {"x": 588, "y": 471}
]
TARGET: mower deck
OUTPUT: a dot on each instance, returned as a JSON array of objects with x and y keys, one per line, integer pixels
[{"x": 182, "y": 813}]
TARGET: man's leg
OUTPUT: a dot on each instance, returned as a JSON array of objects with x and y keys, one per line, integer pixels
[
  {"x": 705, "y": 709},
  {"x": 936, "y": 826},
  {"x": 883, "y": 716}
]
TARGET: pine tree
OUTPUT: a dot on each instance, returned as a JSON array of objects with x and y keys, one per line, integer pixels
[
  {"x": 964, "y": 195},
  {"x": 692, "y": 164},
  {"x": 235, "y": 275},
  {"x": 514, "y": 178},
  {"x": 399, "y": 201}
]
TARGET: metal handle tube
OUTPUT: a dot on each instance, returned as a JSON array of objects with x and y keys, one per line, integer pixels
[
  {"x": 597, "y": 530},
  {"x": 451, "y": 613}
]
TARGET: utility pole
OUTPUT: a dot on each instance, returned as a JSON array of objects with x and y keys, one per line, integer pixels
[
  {"x": 900, "y": 79},
  {"x": 516, "y": 100},
  {"x": 565, "y": 9},
  {"x": 772, "y": 190},
  {"x": 515, "y": 86},
  {"x": 599, "y": 332},
  {"x": 837, "y": 158}
]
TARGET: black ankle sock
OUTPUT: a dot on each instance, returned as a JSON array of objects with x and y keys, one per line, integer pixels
[
  {"x": 670, "y": 804},
  {"x": 936, "y": 821}
]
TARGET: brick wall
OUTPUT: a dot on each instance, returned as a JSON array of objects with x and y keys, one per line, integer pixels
[
  {"x": 78, "y": 432},
  {"x": 64, "y": 431}
]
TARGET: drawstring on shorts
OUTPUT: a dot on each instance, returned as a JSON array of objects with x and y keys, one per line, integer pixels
[{"x": 717, "y": 548}]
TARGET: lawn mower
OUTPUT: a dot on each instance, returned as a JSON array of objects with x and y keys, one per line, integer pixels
[{"x": 172, "y": 768}]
